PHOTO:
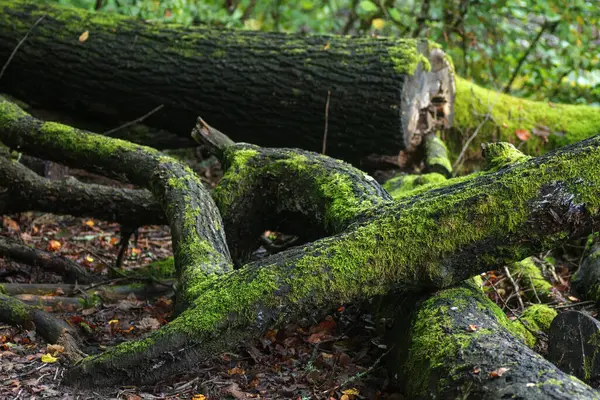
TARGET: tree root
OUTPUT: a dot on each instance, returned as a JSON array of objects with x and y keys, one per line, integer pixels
[
  {"x": 70, "y": 270},
  {"x": 14, "y": 312}
]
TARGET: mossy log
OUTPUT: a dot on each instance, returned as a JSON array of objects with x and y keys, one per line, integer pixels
[
  {"x": 435, "y": 239},
  {"x": 492, "y": 116},
  {"x": 459, "y": 344},
  {"x": 264, "y": 88}
]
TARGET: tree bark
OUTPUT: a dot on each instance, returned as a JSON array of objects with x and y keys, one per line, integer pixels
[
  {"x": 262, "y": 88},
  {"x": 435, "y": 239}
]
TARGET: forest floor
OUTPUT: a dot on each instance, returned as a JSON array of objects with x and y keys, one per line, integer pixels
[{"x": 338, "y": 357}]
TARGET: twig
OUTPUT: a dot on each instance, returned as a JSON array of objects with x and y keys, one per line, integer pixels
[
  {"x": 534, "y": 289},
  {"x": 20, "y": 44},
  {"x": 358, "y": 375},
  {"x": 458, "y": 161},
  {"x": 515, "y": 286},
  {"x": 326, "y": 121},
  {"x": 582, "y": 303},
  {"x": 545, "y": 26},
  {"x": 135, "y": 121}
]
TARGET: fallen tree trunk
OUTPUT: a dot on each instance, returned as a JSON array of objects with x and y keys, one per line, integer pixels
[
  {"x": 435, "y": 239},
  {"x": 263, "y": 88},
  {"x": 458, "y": 344}
]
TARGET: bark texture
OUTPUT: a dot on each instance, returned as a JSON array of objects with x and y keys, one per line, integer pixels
[{"x": 263, "y": 88}]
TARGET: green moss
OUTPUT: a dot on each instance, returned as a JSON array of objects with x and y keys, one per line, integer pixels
[
  {"x": 531, "y": 277},
  {"x": 18, "y": 312},
  {"x": 164, "y": 268},
  {"x": 538, "y": 317},
  {"x": 405, "y": 185},
  {"x": 406, "y": 57},
  {"x": 3, "y": 289},
  {"x": 566, "y": 123},
  {"x": 333, "y": 189},
  {"x": 501, "y": 154}
]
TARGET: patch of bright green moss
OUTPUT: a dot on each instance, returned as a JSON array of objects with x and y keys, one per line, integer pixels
[
  {"x": 531, "y": 277},
  {"x": 539, "y": 317},
  {"x": 164, "y": 268},
  {"x": 501, "y": 154},
  {"x": 334, "y": 189},
  {"x": 405, "y": 185}
]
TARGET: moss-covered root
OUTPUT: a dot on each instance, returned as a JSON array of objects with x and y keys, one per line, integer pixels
[
  {"x": 289, "y": 190},
  {"x": 548, "y": 126},
  {"x": 532, "y": 281},
  {"x": 196, "y": 226},
  {"x": 436, "y": 156},
  {"x": 461, "y": 346},
  {"x": 436, "y": 239},
  {"x": 14, "y": 312}
]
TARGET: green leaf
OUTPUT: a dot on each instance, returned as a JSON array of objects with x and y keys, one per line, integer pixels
[
  {"x": 395, "y": 14},
  {"x": 368, "y": 6}
]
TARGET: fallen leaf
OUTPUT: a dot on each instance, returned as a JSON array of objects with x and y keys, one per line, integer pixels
[
  {"x": 315, "y": 337},
  {"x": 476, "y": 370},
  {"x": 55, "y": 349},
  {"x": 351, "y": 392},
  {"x": 47, "y": 358},
  {"x": 498, "y": 372},
  {"x": 327, "y": 46},
  {"x": 54, "y": 245},
  {"x": 10, "y": 224},
  {"x": 84, "y": 36},
  {"x": 573, "y": 298},
  {"x": 472, "y": 328},
  {"x": 90, "y": 223},
  {"x": 523, "y": 134},
  {"x": 236, "y": 371}
]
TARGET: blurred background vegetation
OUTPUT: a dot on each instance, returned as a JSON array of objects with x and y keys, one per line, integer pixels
[{"x": 540, "y": 49}]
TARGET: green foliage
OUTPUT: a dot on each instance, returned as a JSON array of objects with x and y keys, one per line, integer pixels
[{"x": 493, "y": 42}]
